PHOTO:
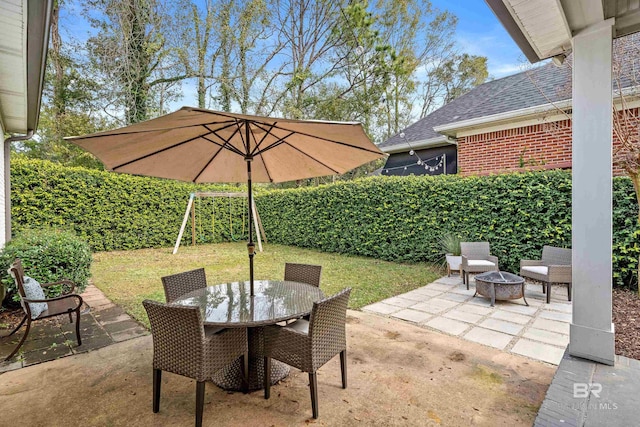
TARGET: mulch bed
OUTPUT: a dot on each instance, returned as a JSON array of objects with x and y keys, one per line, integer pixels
[
  {"x": 9, "y": 318},
  {"x": 626, "y": 317}
]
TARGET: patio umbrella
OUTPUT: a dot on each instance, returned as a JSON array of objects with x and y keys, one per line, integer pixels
[{"x": 199, "y": 145}]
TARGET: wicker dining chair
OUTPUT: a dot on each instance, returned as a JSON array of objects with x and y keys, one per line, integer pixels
[
  {"x": 476, "y": 258},
  {"x": 67, "y": 303},
  {"x": 180, "y": 284},
  {"x": 303, "y": 273},
  {"x": 181, "y": 345},
  {"x": 308, "y": 345}
]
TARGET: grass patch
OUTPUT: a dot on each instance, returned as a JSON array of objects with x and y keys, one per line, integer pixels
[{"x": 129, "y": 277}]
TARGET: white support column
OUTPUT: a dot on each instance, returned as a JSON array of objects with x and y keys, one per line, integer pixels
[{"x": 592, "y": 333}]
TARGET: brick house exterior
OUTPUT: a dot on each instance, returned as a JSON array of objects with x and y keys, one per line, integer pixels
[
  {"x": 540, "y": 146},
  {"x": 516, "y": 123}
]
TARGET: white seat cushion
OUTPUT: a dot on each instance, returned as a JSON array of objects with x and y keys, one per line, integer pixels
[
  {"x": 300, "y": 325},
  {"x": 480, "y": 263},
  {"x": 537, "y": 269},
  {"x": 33, "y": 290}
]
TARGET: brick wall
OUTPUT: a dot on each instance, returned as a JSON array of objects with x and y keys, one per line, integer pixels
[{"x": 542, "y": 146}]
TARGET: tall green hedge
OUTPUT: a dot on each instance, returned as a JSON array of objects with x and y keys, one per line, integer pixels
[
  {"x": 117, "y": 211},
  {"x": 392, "y": 218},
  {"x": 402, "y": 218}
]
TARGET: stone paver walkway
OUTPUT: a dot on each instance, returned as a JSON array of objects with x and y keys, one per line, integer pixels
[
  {"x": 586, "y": 393},
  {"x": 540, "y": 331},
  {"x": 102, "y": 324}
]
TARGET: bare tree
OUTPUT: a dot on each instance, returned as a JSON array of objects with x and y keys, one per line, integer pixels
[{"x": 130, "y": 54}]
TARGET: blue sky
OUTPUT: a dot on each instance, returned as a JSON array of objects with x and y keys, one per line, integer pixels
[{"x": 480, "y": 33}]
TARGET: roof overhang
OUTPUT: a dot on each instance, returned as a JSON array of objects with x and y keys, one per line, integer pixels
[
  {"x": 24, "y": 39},
  {"x": 438, "y": 141},
  {"x": 544, "y": 113},
  {"x": 544, "y": 28}
]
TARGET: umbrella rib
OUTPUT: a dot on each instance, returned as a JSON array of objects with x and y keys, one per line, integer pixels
[
  {"x": 226, "y": 144},
  {"x": 195, "y": 179},
  {"x": 266, "y": 132},
  {"x": 158, "y": 151},
  {"x": 145, "y": 131},
  {"x": 312, "y": 158},
  {"x": 327, "y": 139},
  {"x": 266, "y": 169}
]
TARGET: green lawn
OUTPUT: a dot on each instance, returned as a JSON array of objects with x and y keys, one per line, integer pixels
[{"x": 128, "y": 277}]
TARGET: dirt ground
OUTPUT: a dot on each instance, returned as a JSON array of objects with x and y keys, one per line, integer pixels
[{"x": 398, "y": 375}]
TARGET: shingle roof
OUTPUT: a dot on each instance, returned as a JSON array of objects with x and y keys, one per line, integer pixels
[
  {"x": 537, "y": 86},
  {"x": 531, "y": 88}
]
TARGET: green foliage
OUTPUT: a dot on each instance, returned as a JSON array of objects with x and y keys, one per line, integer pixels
[
  {"x": 450, "y": 244},
  {"x": 118, "y": 211},
  {"x": 390, "y": 218},
  {"x": 47, "y": 255},
  {"x": 403, "y": 218},
  {"x": 626, "y": 234}
]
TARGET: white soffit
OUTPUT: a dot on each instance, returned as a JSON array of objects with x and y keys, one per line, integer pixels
[
  {"x": 543, "y": 23},
  {"x": 13, "y": 65}
]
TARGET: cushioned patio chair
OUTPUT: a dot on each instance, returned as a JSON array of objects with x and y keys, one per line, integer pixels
[
  {"x": 308, "y": 345},
  {"x": 180, "y": 284},
  {"x": 36, "y": 306},
  {"x": 553, "y": 268},
  {"x": 182, "y": 346},
  {"x": 476, "y": 258}
]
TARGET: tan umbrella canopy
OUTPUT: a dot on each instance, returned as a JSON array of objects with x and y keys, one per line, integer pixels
[{"x": 199, "y": 145}]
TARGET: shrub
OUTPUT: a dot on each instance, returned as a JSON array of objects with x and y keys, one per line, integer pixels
[
  {"x": 48, "y": 256},
  {"x": 114, "y": 211},
  {"x": 391, "y": 218},
  {"x": 403, "y": 218}
]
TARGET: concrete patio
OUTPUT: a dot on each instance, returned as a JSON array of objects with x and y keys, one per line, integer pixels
[
  {"x": 399, "y": 375},
  {"x": 540, "y": 331}
]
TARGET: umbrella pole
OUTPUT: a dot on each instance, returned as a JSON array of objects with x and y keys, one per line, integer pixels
[{"x": 251, "y": 247}]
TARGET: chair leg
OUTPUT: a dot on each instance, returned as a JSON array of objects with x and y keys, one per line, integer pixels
[
  {"x": 467, "y": 281},
  {"x": 313, "y": 385},
  {"x": 157, "y": 382},
  {"x": 19, "y": 325},
  {"x": 24, "y": 337},
  {"x": 548, "y": 293},
  {"x": 70, "y": 318},
  {"x": 267, "y": 377},
  {"x": 199, "y": 402},
  {"x": 544, "y": 288},
  {"x": 78, "y": 326},
  {"x": 343, "y": 367},
  {"x": 569, "y": 291}
]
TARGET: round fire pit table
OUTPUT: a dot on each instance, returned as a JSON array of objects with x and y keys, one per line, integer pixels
[{"x": 500, "y": 285}]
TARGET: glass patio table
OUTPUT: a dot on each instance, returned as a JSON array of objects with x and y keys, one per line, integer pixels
[{"x": 230, "y": 305}]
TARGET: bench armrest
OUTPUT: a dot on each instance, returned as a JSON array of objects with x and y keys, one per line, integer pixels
[
  {"x": 494, "y": 259},
  {"x": 559, "y": 273}
]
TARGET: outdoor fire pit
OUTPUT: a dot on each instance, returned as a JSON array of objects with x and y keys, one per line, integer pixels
[{"x": 500, "y": 285}]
